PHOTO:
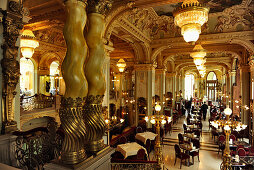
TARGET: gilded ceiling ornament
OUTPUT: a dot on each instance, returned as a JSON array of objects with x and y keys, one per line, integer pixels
[{"x": 99, "y": 6}]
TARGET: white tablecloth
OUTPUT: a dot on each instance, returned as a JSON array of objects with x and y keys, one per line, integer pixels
[
  {"x": 144, "y": 136},
  {"x": 129, "y": 149}
]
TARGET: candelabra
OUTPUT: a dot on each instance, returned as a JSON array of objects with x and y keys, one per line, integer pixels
[
  {"x": 228, "y": 124},
  {"x": 157, "y": 120},
  {"x": 239, "y": 106}
]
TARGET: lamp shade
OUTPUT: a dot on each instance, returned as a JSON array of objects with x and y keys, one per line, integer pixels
[
  {"x": 228, "y": 111},
  {"x": 28, "y": 43},
  {"x": 157, "y": 108}
]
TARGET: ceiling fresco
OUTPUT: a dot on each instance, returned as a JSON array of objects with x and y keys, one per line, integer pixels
[{"x": 215, "y": 6}]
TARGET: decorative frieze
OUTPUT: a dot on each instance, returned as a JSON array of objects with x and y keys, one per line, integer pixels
[{"x": 143, "y": 67}]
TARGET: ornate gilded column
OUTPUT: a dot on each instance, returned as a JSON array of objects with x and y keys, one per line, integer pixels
[
  {"x": 144, "y": 86},
  {"x": 70, "y": 112},
  {"x": 160, "y": 84},
  {"x": 12, "y": 22},
  {"x": 251, "y": 63},
  {"x": 245, "y": 92},
  {"x": 96, "y": 80}
]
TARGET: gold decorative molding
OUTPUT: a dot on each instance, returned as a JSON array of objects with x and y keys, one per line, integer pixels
[
  {"x": 71, "y": 109},
  {"x": 99, "y": 6},
  {"x": 160, "y": 71},
  {"x": 95, "y": 123},
  {"x": 70, "y": 114},
  {"x": 143, "y": 67},
  {"x": 12, "y": 24},
  {"x": 170, "y": 74}
]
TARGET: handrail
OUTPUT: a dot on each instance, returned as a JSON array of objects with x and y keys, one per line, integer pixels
[
  {"x": 146, "y": 165},
  {"x": 37, "y": 101}
]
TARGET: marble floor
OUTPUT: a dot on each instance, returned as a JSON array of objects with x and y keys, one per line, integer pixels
[{"x": 209, "y": 157}]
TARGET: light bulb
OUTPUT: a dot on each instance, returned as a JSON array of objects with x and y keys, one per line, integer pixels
[
  {"x": 146, "y": 118},
  {"x": 226, "y": 128},
  {"x": 191, "y": 35},
  {"x": 157, "y": 108},
  {"x": 121, "y": 120},
  {"x": 163, "y": 121},
  {"x": 152, "y": 121}
]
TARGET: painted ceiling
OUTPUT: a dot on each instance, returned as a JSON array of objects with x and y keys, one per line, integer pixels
[{"x": 215, "y": 6}]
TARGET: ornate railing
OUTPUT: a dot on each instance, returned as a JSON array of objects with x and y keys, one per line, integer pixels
[
  {"x": 136, "y": 166},
  {"x": 38, "y": 101},
  {"x": 38, "y": 146}
]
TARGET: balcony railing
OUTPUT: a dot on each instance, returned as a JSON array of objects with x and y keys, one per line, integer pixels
[
  {"x": 150, "y": 165},
  {"x": 37, "y": 101}
]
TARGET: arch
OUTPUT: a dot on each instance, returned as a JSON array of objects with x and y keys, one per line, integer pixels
[
  {"x": 245, "y": 43},
  {"x": 48, "y": 58},
  {"x": 187, "y": 64},
  {"x": 27, "y": 77},
  {"x": 211, "y": 76},
  {"x": 158, "y": 51}
]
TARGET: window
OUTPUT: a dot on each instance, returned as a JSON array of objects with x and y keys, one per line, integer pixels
[
  {"x": 54, "y": 77},
  {"x": 189, "y": 85},
  {"x": 26, "y": 77}
]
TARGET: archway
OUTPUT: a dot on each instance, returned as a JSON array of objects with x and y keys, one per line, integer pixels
[
  {"x": 189, "y": 86},
  {"x": 211, "y": 86},
  {"x": 27, "y": 85},
  {"x": 54, "y": 77}
]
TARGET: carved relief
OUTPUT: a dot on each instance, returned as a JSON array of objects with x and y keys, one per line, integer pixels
[
  {"x": 12, "y": 24},
  {"x": 51, "y": 36}
]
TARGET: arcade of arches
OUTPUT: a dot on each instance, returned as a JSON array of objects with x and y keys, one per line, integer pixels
[{"x": 157, "y": 69}]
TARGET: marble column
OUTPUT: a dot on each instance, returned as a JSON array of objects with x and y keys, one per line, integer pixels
[
  {"x": 245, "y": 92},
  {"x": 160, "y": 84},
  {"x": 251, "y": 63},
  {"x": 228, "y": 89},
  {"x": 144, "y": 86},
  {"x": 106, "y": 72},
  {"x": 232, "y": 82}
]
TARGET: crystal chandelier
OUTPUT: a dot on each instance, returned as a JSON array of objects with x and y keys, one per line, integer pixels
[
  {"x": 199, "y": 59},
  {"x": 190, "y": 16},
  {"x": 121, "y": 64},
  {"x": 28, "y": 43}
]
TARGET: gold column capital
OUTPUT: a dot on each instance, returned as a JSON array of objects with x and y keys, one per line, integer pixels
[
  {"x": 244, "y": 68},
  {"x": 160, "y": 70},
  {"x": 99, "y": 6},
  {"x": 251, "y": 61},
  {"x": 143, "y": 67},
  {"x": 170, "y": 74}
]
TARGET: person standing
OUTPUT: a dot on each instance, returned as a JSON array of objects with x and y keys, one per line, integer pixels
[{"x": 204, "y": 108}]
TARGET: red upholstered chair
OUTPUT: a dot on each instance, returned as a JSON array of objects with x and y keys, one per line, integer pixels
[
  {"x": 123, "y": 140},
  {"x": 241, "y": 152},
  {"x": 232, "y": 137},
  {"x": 139, "y": 129},
  {"x": 221, "y": 140},
  {"x": 251, "y": 151},
  {"x": 180, "y": 155}
]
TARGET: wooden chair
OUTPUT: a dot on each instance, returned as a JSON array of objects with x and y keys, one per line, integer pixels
[
  {"x": 180, "y": 155},
  {"x": 194, "y": 153},
  {"x": 123, "y": 140}
]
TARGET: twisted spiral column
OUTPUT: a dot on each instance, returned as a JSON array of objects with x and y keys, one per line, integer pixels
[
  {"x": 94, "y": 73},
  {"x": 73, "y": 147}
]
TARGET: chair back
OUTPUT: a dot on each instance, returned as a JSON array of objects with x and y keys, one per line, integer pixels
[
  {"x": 240, "y": 146},
  {"x": 148, "y": 145},
  {"x": 123, "y": 140},
  {"x": 222, "y": 138},
  {"x": 196, "y": 143},
  {"x": 180, "y": 138},
  {"x": 251, "y": 149},
  {"x": 184, "y": 127},
  {"x": 241, "y": 152},
  {"x": 139, "y": 129},
  {"x": 197, "y": 132},
  {"x": 232, "y": 137},
  {"x": 141, "y": 154},
  {"x": 177, "y": 150}
]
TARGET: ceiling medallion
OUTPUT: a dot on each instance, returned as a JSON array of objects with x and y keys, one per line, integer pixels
[{"x": 190, "y": 16}]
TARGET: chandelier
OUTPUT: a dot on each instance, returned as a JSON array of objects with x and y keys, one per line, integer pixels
[
  {"x": 121, "y": 64},
  {"x": 199, "y": 59},
  {"x": 190, "y": 16},
  {"x": 28, "y": 43}
]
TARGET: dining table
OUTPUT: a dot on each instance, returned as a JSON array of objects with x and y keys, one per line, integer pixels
[
  {"x": 145, "y": 135},
  {"x": 129, "y": 149},
  {"x": 243, "y": 161}
]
